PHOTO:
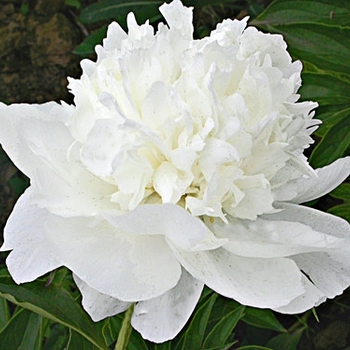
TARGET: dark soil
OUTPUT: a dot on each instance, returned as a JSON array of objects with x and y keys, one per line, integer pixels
[{"x": 36, "y": 56}]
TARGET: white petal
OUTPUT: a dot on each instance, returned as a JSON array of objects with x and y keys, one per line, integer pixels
[
  {"x": 115, "y": 37},
  {"x": 139, "y": 268},
  {"x": 98, "y": 305},
  {"x": 29, "y": 133},
  {"x": 328, "y": 270},
  {"x": 179, "y": 226},
  {"x": 178, "y": 17},
  {"x": 162, "y": 318},
  {"x": 270, "y": 239},
  {"x": 264, "y": 283},
  {"x": 105, "y": 144},
  {"x": 138, "y": 33},
  {"x": 170, "y": 183},
  {"x": 317, "y": 220},
  {"x": 126, "y": 267},
  {"x": 311, "y": 298},
  {"x": 215, "y": 154},
  {"x": 33, "y": 254},
  {"x": 255, "y": 202},
  {"x": 38, "y": 142},
  {"x": 303, "y": 189}
]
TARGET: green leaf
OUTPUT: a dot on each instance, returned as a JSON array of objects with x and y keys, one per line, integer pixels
[
  {"x": 327, "y": 12},
  {"x": 54, "y": 303},
  {"x": 4, "y": 313},
  {"x": 342, "y": 210},
  {"x": 325, "y": 88},
  {"x": 19, "y": 183},
  {"x": 325, "y": 47},
  {"x": 334, "y": 144},
  {"x": 262, "y": 318},
  {"x": 194, "y": 334},
  {"x": 286, "y": 340},
  {"x": 77, "y": 341},
  {"x": 164, "y": 346},
  {"x": 253, "y": 347},
  {"x": 224, "y": 329},
  {"x": 111, "y": 330},
  {"x": 223, "y": 347},
  {"x": 342, "y": 192},
  {"x": 136, "y": 342},
  {"x": 57, "y": 337},
  {"x": 73, "y": 3},
  {"x": 324, "y": 42},
  {"x": 22, "y": 332},
  {"x": 88, "y": 45}
]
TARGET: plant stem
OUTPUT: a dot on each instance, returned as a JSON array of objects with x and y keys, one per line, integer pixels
[
  {"x": 301, "y": 323},
  {"x": 125, "y": 331}
]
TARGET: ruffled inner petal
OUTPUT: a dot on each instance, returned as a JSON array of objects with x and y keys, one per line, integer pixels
[{"x": 301, "y": 189}]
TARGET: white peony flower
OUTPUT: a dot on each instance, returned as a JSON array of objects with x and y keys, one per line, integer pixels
[{"x": 180, "y": 165}]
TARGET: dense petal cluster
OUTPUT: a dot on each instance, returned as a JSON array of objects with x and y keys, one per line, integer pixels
[{"x": 180, "y": 165}]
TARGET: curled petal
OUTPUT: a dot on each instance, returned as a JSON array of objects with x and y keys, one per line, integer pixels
[
  {"x": 99, "y": 305},
  {"x": 317, "y": 220},
  {"x": 162, "y": 318},
  {"x": 310, "y": 298},
  {"x": 271, "y": 239},
  {"x": 302, "y": 189},
  {"x": 328, "y": 270}
]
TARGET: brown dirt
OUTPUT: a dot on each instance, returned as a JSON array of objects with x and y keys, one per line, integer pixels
[{"x": 36, "y": 47}]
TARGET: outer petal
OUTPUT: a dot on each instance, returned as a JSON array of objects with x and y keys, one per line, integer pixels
[
  {"x": 24, "y": 128},
  {"x": 33, "y": 254},
  {"x": 311, "y": 298},
  {"x": 37, "y": 140},
  {"x": 270, "y": 239},
  {"x": 125, "y": 267},
  {"x": 302, "y": 190},
  {"x": 317, "y": 220},
  {"x": 328, "y": 270},
  {"x": 178, "y": 225},
  {"x": 264, "y": 283},
  {"x": 162, "y": 318},
  {"x": 98, "y": 305}
]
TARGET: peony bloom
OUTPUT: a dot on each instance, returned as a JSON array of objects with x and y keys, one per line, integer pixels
[{"x": 180, "y": 165}]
